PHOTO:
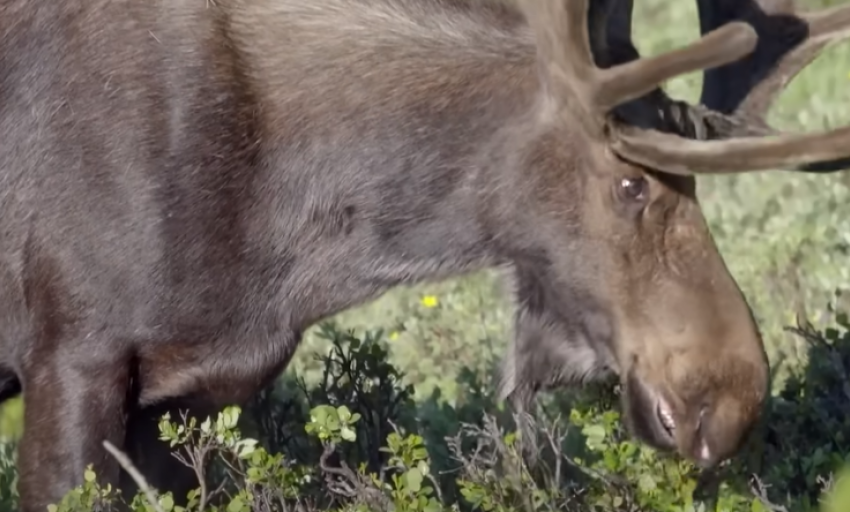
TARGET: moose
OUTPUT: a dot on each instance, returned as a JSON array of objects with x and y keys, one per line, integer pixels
[{"x": 186, "y": 186}]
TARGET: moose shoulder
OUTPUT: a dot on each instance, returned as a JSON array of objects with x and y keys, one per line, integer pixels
[{"x": 186, "y": 186}]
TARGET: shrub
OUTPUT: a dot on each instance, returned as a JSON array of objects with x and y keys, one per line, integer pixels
[{"x": 357, "y": 441}]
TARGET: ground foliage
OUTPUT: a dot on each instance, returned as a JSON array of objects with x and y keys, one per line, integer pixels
[{"x": 358, "y": 442}]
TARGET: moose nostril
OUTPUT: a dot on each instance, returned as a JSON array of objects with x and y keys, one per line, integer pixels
[
  {"x": 702, "y": 412},
  {"x": 703, "y": 452}
]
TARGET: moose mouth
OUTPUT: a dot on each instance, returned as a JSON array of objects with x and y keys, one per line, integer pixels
[
  {"x": 664, "y": 417},
  {"x": 649, "y": 414}
]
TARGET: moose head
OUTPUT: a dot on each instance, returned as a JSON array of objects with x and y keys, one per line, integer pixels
[{"x": 629, "y": 279}]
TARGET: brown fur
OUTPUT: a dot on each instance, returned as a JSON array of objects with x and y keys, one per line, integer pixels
[{"x": 186, "y": 186}]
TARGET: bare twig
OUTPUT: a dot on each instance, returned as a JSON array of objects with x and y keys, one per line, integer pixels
[
  {"x": 555, "y": 443},
  {"x": 348, "y": 483},
  {"x": 759, "y": 490},
  {"x": 808, "y": 332},
  {"x": 125, "y": 462},
  {"x": 198, "y": 468}
]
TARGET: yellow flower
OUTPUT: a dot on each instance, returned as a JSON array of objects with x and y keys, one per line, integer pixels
[
  {"x": 393, "y": 335},
  {"x": 429, "y": 301}
]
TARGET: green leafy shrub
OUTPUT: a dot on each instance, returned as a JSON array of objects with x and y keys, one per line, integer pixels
[
  {"x": 469, "y": 457},
  {"x": 8, "y": 477}
]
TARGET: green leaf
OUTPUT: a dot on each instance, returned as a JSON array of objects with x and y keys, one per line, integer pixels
[
  {"x": 347, "y": 434},
  {"x": 319, "y": 414},
  {"x": 646, "y": 483},
  {"x": 594, "y": 431},
  {"x": 231, "y": 416},
  {"x": 343, "y": 413},
  {"x": 595, "y": 435},
  {"x": 89, "y": 475},
  {"x": 610, "y": 459},
  {"x": 394, "y": 442},
  {"x": 255, "y": 475},
  {"x": 166, "y": 502},
  {"x": 236, "y": 505},
  {"x": 413, "y": 480},
  {"x": 432, "y": 506},
  {"x": 246, "y": 448},
  {"x": 839, "y": 496},
  {"x": 332, "y": 421},
  {"x": 757, "y": 506}
]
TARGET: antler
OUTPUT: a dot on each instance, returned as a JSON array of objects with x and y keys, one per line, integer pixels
[
  {"x": 570, "y": 73},
  {"x": 789, "y": 41},
  {"x": 747, "y": 89},
  {"x": 738, "y": 95}
]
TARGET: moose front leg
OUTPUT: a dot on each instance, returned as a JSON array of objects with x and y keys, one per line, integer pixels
[{"x": 72, "y": 404}]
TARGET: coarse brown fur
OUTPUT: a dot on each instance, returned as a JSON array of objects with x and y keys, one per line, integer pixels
[{"x": 185, "y": 186}]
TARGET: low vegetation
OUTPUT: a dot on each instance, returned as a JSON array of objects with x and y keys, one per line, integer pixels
[{"x": 358, "y": 442}]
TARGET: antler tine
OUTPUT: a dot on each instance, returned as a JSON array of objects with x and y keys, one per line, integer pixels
[
  {"x": 743, "y": 92},
  {"x": 564, "y": 50},
  {"x": 635, "y": 78},
  {"x": 678, "y": 155},
  {"x": 825, "y": 27}
]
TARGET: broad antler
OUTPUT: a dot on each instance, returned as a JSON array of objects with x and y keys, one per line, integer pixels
[
  {"x": 570, "y": 74},
  {"x": 736, "y": 97},
  {"x": 565, "y": 53},
  {"x": 788, "y": 41}
]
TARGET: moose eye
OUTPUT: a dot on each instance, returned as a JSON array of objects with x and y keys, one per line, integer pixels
[{"x": 634, "y": 189}]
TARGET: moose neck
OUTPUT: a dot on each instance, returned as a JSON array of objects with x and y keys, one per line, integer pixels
[{"x": 381, "y": 134}]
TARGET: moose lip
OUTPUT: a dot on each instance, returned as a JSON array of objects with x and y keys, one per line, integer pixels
[{"x": 664, "y": 415}]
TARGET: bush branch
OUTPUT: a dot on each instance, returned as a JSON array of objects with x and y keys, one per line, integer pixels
[{"x": 125, "y": 462}]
